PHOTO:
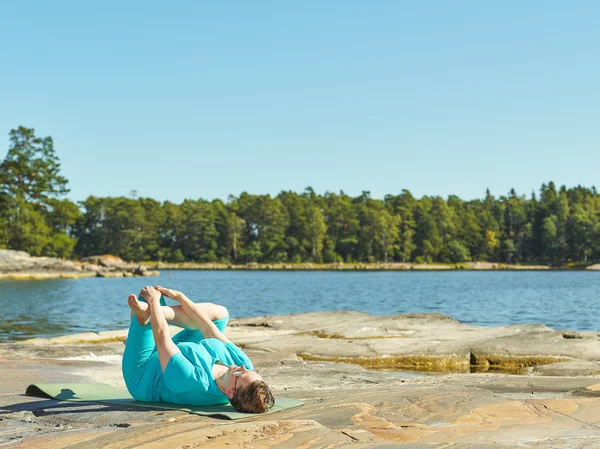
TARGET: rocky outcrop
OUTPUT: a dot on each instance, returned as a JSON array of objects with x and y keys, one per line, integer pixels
[
  {"x": 415, "y": 342},
  {"x": 20, "y": 265},
  {"x": 106, "y": 260},
  {"x": 346, "y": 405},
  {"x": 427, "y": 342},
  {"x": 20, "y": 262}
]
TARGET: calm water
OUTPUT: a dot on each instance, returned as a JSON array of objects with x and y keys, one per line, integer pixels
[{"x": 561, "y": 300}]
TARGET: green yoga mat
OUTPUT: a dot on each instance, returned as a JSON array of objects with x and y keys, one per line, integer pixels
[{"x": 106, "y": 394}]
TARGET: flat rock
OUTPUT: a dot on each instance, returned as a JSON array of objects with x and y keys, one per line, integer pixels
[
  {"x": 574, "y": 368},
  {"x": 346, "y": 405},
  {"x": 431, "y": 341}
]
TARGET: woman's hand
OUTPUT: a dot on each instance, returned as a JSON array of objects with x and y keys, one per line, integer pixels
[
  {"x": 170, "y": 293},
  {"x": 150, "y": 294}
]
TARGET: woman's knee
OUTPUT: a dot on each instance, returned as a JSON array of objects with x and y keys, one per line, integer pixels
[
  {"x": 220, "y": 312},
  {"x": 214, "y": 311}
]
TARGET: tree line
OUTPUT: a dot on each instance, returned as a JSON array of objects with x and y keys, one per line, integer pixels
[{"x": 555, "y": 226}]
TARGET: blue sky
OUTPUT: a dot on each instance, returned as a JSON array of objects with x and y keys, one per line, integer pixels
[{"x": 203, "y": 100}]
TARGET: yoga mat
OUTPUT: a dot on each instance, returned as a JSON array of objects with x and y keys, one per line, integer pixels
[{"x": 107, "y": 394}]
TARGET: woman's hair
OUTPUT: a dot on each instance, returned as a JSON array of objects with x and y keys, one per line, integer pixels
[{"x": 255, "y": 398}]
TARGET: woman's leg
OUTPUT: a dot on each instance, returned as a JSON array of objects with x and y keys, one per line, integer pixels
[
  {"x": 140, "y": 346},
  {"x": 194, "y": 335},
  {"x": 175, "y": 315}
]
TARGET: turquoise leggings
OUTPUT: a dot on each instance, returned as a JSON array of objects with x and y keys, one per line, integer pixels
[{"x": 141, "y": 367}]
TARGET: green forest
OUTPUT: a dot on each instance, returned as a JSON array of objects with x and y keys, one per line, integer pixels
[{"x": 556, "y": 226}]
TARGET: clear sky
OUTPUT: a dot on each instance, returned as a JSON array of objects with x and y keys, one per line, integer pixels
[{"x": 206, "y": 99}]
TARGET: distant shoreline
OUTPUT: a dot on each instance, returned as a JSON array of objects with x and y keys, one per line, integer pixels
[
  {"x": 340, "y": 267},
  {"x": 391, "y": 266}
]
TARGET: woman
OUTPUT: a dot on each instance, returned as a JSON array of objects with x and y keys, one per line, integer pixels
[{"x": 199, "y": 366}]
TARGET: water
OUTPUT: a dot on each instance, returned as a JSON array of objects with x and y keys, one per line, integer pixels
[{"x": 561, "y": 300}]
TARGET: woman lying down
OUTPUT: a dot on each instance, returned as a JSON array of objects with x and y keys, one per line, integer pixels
[{"x": 199, "y": 366}]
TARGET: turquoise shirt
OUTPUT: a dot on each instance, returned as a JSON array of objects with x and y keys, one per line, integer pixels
[{"x": 188, "y": 379}]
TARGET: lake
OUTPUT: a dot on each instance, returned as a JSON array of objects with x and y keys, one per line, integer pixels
[{"x": 559, "y": 299}]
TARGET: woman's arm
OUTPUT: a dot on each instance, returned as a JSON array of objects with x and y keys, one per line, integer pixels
[
  {"x": 197, "y": 315},
  {"x": 160, "y": 329}
]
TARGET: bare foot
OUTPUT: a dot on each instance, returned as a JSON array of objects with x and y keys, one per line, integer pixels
[{"x": 140, "y": 309}]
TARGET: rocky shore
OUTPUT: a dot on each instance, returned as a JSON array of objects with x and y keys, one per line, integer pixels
[
  {"x": 340, "y": 266},
  {"x": 437, "y": 383},
  {"x": 20, "y": 265}
]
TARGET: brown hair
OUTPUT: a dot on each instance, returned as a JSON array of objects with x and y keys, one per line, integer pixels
[{"x": 255, "y": 398}]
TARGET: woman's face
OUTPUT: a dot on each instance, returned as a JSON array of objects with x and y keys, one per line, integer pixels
[{"x": 239, "y": 377}]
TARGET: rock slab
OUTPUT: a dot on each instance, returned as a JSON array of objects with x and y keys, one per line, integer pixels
[{"x": 346, "y": 405}]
